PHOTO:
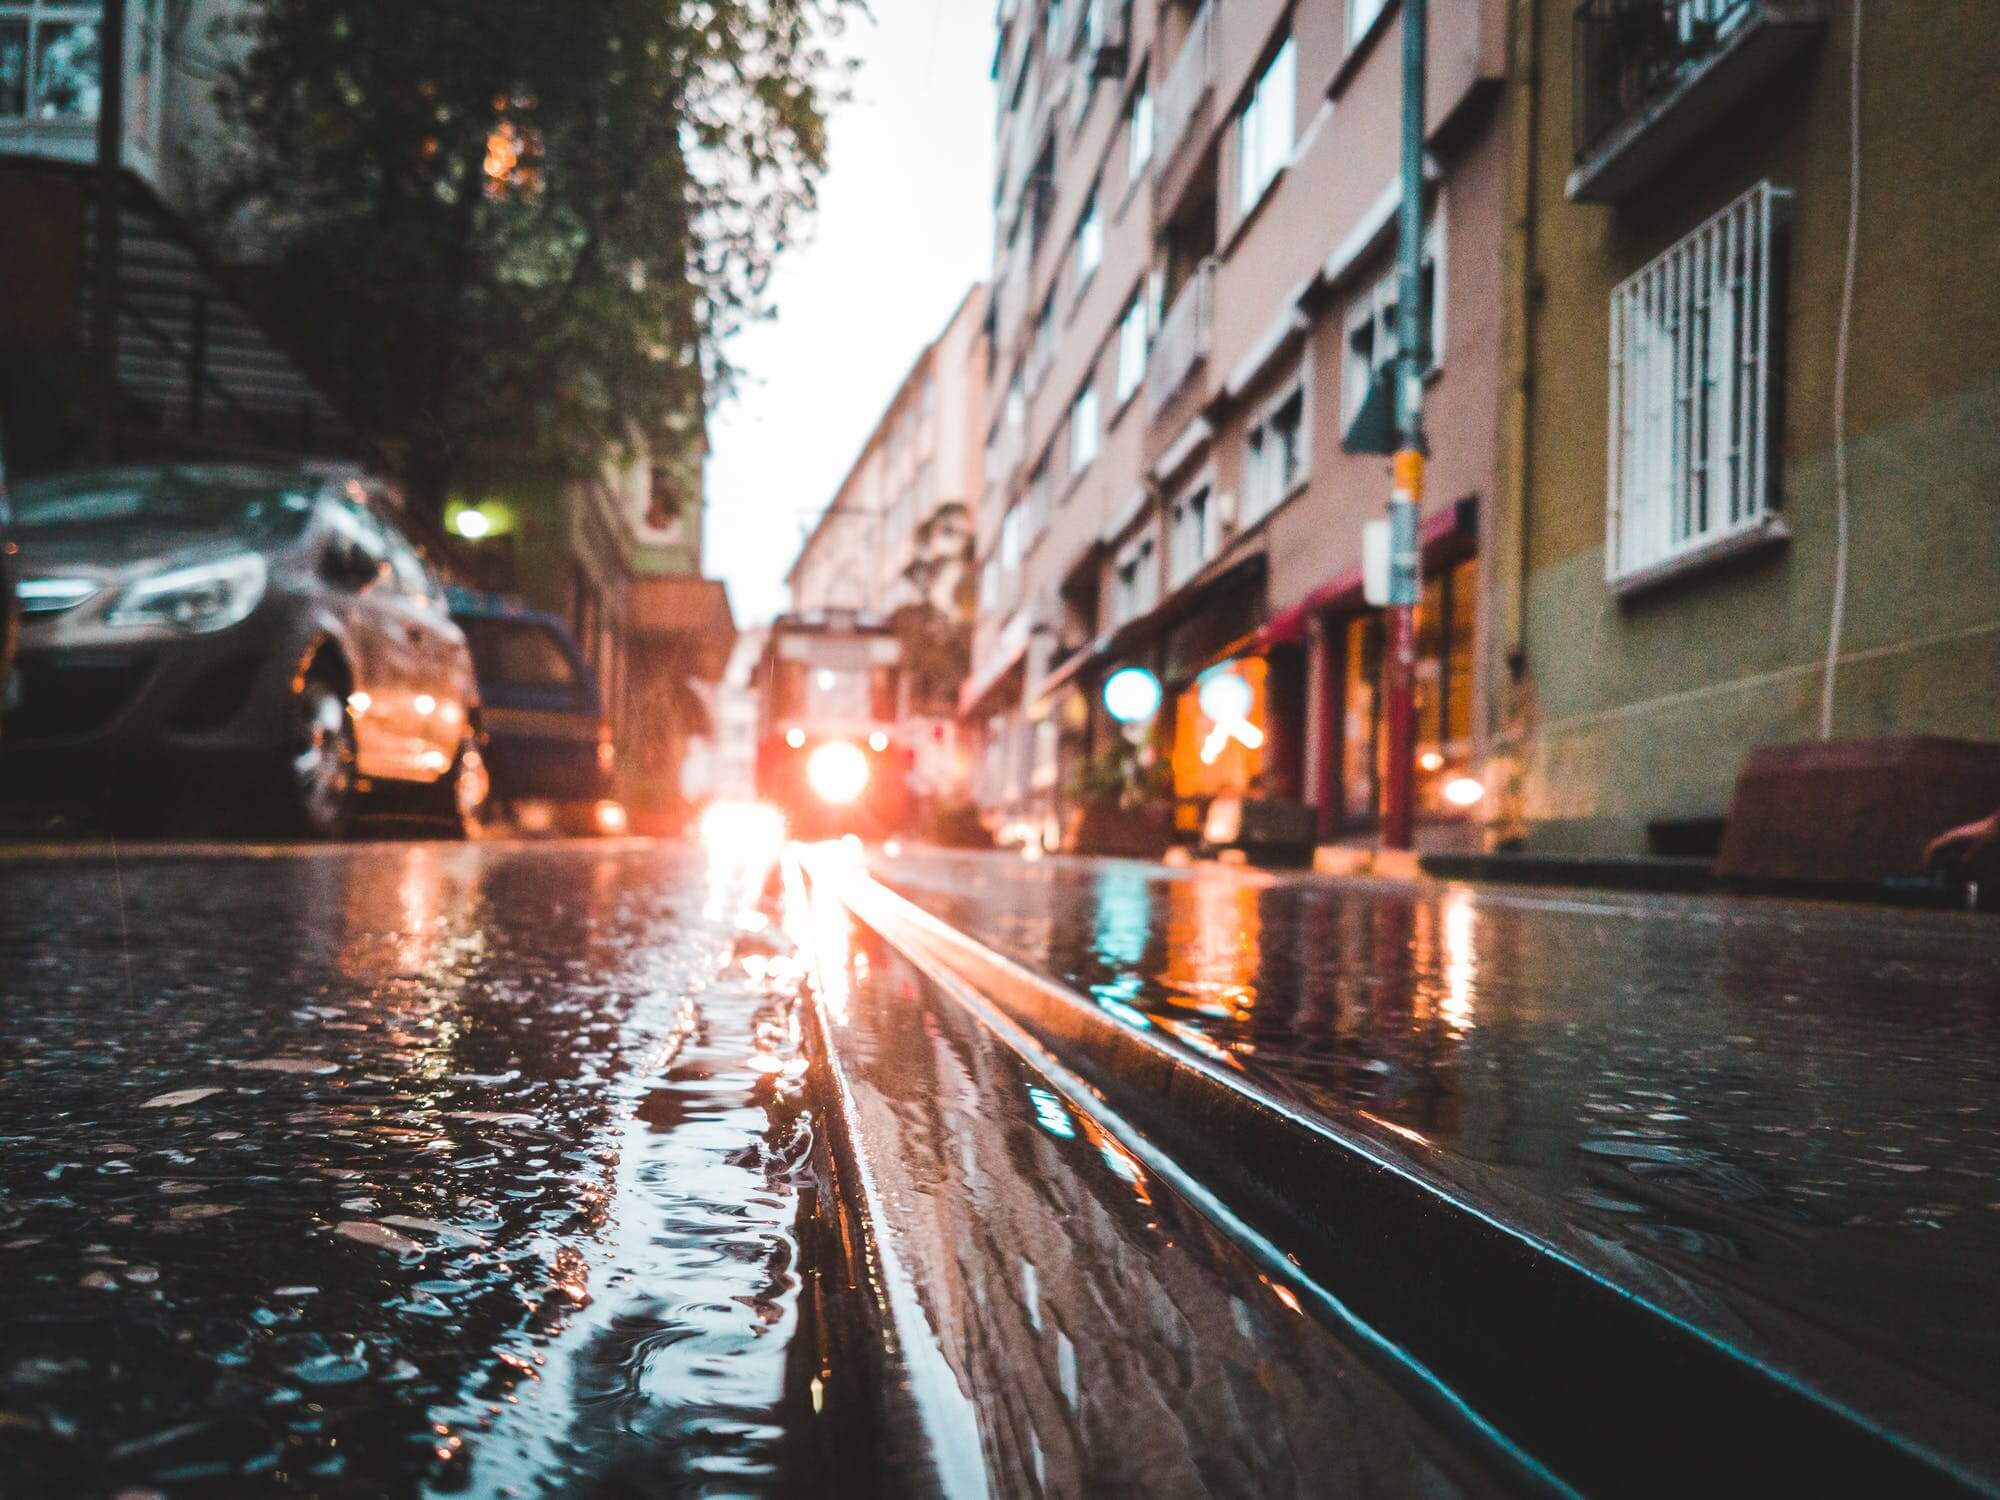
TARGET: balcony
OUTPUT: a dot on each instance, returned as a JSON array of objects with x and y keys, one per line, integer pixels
[
  {"x": 1652, "y": 75},
  {"x": 1184, "y": 339},
  {"x": 1187, "y": 88}
]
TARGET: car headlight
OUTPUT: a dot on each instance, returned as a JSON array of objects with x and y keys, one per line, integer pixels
[{"x": 199, "y": 599}]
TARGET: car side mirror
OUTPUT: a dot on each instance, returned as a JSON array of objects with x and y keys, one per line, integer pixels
[{"x": 348, "y": 565}]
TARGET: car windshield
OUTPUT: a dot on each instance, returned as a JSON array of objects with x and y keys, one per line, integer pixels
[
  {"x": 201, "y": 499},
  {"x": 518, "y": 653}
]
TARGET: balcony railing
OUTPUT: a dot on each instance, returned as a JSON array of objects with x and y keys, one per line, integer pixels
[
  {"x": 1651, "y": 75},
  {"x": 1184, "y": 339},
  {"x": 1188, "y": 85}
]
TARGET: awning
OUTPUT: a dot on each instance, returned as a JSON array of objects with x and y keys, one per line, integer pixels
[
  {"x": 1289, "y": 625},
  {"x": 694, "y": 610},
  {"x": 1241, "y": 572}
]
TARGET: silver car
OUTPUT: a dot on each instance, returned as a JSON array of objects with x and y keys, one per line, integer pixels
[{"x": 268, "y": 629}]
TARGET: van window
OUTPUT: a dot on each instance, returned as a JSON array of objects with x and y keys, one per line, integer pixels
[{"x": 519, "y": 653}]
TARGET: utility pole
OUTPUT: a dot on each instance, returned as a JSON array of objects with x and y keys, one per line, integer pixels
[
  {"x": 105, "y": 231},
  {"x": 1407, "y": 485}
]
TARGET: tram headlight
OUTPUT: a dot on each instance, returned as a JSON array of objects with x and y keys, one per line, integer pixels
[{"x": 838, "y": 772}]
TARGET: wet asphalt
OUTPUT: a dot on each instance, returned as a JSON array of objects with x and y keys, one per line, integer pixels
[
  {"x": 393, "y": 1170},
  {"x": 411, "y": 1169},
  {"x": 1779, "y": 1120}
]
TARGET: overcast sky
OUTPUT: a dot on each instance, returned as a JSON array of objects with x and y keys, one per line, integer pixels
[{"x": 904, "y": 227}]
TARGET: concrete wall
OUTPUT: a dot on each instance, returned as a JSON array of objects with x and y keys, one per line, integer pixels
[{"x": 1644, "y": 709}]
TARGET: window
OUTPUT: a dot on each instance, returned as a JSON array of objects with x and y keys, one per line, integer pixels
[
  {"x": 1045, "y": 341},
  {"x": 1133, "y": 581},
  {"x": 1012, "y": 542},
  {"x": 989, "y": 582},
  {"x": 1139, "y": 134},
  {"x": 1361, "y": 15},
  {"x": 1275, "y": 457},
  {"x": 1132, "y": 349},
  {"x": 49, "y": 60},
  {"x": 1692, "y": 368},
  {"x": 1089, "y": 241},
  {"x": 1083, "y": 428},
  {"x": 1443, "y": 749},
  {"x": 1371, "y": 324},
  {"x": 518, "y": 653},
  {"x": 1264, "y": 135},
  {"x": 1192, "y": 534},
  {"x": 1052, "y": 36}
]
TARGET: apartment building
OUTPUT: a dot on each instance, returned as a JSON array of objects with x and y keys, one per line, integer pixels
[
  {"x": 1673, "y": 529},
  {"x": 895, "y": 541},
  {"x": 1193, "y": 288},
  {"x": 194, "y": 370}
]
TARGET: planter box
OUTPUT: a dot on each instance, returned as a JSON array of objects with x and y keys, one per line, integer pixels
[
  {"x": 1264, "y": 828},
  {"x": 1843, "y": 812},
  {"x": 1140, "y": 833}
]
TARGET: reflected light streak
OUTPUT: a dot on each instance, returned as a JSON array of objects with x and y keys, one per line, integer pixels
[
  {"x": 1390, "y": 1125},
  {"x": 1050, "y": 1114},
  {"x": 1459, "y": 958}
]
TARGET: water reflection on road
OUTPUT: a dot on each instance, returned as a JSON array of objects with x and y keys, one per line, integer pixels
[
  {"x": 1800, "y": 1102},
  {"x": 391, "y": 1170}
]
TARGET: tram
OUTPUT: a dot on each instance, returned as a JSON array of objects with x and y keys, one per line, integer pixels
[{"x": 828, "y": 757}]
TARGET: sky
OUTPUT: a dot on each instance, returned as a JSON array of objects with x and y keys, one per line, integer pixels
[{"x": 904, "y": 227}]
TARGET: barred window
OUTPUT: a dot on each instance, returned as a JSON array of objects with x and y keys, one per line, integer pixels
[{"x": 1692, "y": 375}]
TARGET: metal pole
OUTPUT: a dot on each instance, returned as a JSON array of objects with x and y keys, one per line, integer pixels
[
  {"x": 1407, "y": 488},
  {"x": 105, "y": 230}
]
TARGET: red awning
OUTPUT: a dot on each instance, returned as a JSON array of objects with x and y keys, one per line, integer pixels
[{"x": 1289, "y": 625}]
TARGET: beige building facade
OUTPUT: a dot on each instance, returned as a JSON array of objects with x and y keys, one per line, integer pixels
[
  {"x": 1701, "y": 394},
  {"x": 896, "y": 540},
  {"x": 1193, "y": 287}
]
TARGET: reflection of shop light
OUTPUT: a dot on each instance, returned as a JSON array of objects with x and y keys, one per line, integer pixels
[
  {"x": 1050, "y": 1115},
  {"x": 1463, "y": 791},
  {"x": 1227, "y": 699}
]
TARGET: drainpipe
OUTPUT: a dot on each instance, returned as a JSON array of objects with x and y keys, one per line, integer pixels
[
  {"x": 106, "y": 186},
  {"x": 1510, "y": 532}
]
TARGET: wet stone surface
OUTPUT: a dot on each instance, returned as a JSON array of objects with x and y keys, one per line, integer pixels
[
  {"x": 391, "y": 1171},
  {"x": 1784, "y": 1118}
]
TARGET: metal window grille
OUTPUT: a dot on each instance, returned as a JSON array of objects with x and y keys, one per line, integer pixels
[{"x": 1692, "y": 389}]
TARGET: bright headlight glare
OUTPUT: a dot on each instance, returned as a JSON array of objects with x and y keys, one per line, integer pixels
[{"x": 198, "y": 599}]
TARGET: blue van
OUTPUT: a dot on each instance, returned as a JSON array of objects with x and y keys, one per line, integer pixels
[{"x": 548, "y": 742}]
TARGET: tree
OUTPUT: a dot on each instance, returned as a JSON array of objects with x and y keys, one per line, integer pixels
[{"x": 513, "y": 234}]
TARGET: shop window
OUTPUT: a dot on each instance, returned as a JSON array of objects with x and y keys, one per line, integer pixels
[
  {"x": 1221, "y": 754},
  {"x": 1445, "y": 624}
]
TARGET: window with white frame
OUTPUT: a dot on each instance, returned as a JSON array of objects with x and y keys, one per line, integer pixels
[
  {"x": 49, "y": 60},
  {"x": 1089, "y": 241},
  {"x": 1132, "y": 348},
  {"x": 1361, "y": 15},
  {"x": 1036, "y": 502},
  {"x": 1044, "y": 351},
  {"x": 1084, "y": 427},
  {"x": 1193, "y": 533},
  {"x": 1134, "y": 581},
  {"x": 1266, "y": 129},
  {"x": 1371, "y": 323},
  {"x": 1276, "y": 455},
  {"x": 1139, "y": 133},
  {"x": 1012, "y": 540},
  {"x": 1692, "y": 376}
]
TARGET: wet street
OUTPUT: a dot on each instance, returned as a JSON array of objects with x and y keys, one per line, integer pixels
[
  {"x": 616, "y": 1169},
  {"x": 392, "y": 1170}
]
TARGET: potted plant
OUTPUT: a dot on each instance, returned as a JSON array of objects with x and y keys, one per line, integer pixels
[{"x": 1121, "y": 803}]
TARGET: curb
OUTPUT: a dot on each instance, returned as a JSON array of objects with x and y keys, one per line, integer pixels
[{"x": 1607, "y": 1389}]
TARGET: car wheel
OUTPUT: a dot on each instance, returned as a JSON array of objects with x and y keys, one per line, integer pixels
[
  {"x": 461, "y": 796},
  {"x": 318, "y": 781}
]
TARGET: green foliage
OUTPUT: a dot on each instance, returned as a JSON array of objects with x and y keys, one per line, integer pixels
[
  {"x": 513, "y": 235},
  {"x": 1121, "y": 777}
]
